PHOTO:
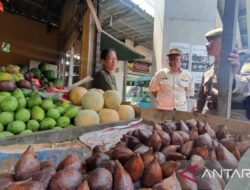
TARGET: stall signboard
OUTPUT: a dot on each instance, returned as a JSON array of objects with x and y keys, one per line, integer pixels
[{"x": 200, "y": 60}]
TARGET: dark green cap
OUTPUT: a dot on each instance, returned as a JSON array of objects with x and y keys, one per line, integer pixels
[{"x": 214, "y": 33}]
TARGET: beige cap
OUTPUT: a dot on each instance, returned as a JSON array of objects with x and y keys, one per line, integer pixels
[
  {"x": 214, "y": 33},
  {"x": 174, "y": 51}
]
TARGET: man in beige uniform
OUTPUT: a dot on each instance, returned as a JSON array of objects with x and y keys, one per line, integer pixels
[
  {"x": 209, "y": 86},
  {"x": 171, "y": 85}
]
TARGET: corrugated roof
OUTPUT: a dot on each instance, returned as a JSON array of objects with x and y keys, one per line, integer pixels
[{"x": 123, "y": 19}]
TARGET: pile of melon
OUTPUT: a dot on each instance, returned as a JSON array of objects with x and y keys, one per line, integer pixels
[{"x": 99, "y": 107}]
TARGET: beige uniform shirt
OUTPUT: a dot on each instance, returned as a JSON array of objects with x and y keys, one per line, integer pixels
[{"x": 172, "y": 89}]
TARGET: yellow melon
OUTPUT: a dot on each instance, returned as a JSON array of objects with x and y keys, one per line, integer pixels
[
  {"x": 86, "y": 117},
  {"x": 108, "y": 116},
  {"x": 76, "y": 95},
  {"x": 126, "y": 112},
  {"x": 97, "y": 89},
  {"x": 112, "y": 99},
  {"x": 93, "y": 100}
]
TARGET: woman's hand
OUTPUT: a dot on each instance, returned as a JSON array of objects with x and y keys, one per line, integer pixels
[{"x": 234, "y": 59}]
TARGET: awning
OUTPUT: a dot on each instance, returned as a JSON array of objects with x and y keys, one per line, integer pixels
[{"x": 123, "y": 52}]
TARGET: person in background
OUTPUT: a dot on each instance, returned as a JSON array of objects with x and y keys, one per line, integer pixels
[
  {"x": 208, "y": 91},
  {"x": 170, "y": 86},
  {"x": 104, "y": 79}
]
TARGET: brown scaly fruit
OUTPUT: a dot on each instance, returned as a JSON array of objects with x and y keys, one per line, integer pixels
[
  {"x": 6, "y": 180},
  {"x": 122, "y": 180},
  {"x": 71, "y": 161},
  {"x": 226, "y": 158},
  {"x": 161, "y": 158},
  {"x": 169, "y": 167},
  {"x": 168, "y": 183},
  {"x": 27, "y": 165},
  {"x": 26, "y": 185},
  {"x": 229, "y": 143},
  {"x": 140, "y": 148},
  {"x": 109, "y": 165},
  {"x": 182, "y": 126},
  {"x": 100, "y": 179},
  {"x": 203, "y": 140},
  {"x": 176, "y": 138},
  {"x": 165, "y": 138},
  {"x": 134, "y": 166},
  {"x": 44, "y": 176},
  {"x": 243, "y": 146},
  {"x": 122, "y": 154},
  {"x": 187, "y": 183},
  {"x": 152, "y": 174},
  {"x": 201, "y": 151},
  {"x": 187, "y": 148},
  {"x": 100, "y": 149},
  {"x": 184, "y": 135},
  {"x": 84, "y": 186},
  {"x": 154, "y": 141},
  {"x": 46, "y": 164},
  {"x": 95, "y": 160},
  {"x": 67, "y": 178},
  {"x": 193, "y": 133},
  {"x": 148, "y": 157}
]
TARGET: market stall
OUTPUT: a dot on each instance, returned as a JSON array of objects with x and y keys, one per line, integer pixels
[{"x": 155, "y": 129}]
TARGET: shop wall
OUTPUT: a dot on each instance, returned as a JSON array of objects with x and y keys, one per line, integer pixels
[
  {"x": 144, "y": 51},
  {"x": 139, "y": 49},
  {"x": 28, "y": 39},
  {"x": 183, "y": 22}
]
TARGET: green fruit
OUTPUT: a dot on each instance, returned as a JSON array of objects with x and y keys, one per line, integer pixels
[
  {"x": 18, "y": 93},
  {"x": 23, "y": 115},
  {"x": 5, "y": 76},
  {"x": 36, "y": 72},
  {"x": 34, "y": 100},
  {"x": 63, "y": 122},
  {"x": 37, "y": 113},
  {"x": 1, "y": 127},
  {"x": 6, "y": 134},
  {"x": 4, "y": 95},
  {"x": 72, "y": 112},
  {"x": 53, "y": 113},
  {"x": 21, "y": 103},
  {"x": 6, "y": 118},
  {"x": 26, "y": 92},
  {"x": 16, "y": 127},
  {"x": 47, "y": 104},
  {"x": 57, "y": 128},
  {"x": 47, "y": 123},
  {"x": 43, "y": 67},
  {"x": 15, "y": 77},
  {"x": 49, "y": 74},
  {"x": 24, "y": 68},
  {"x": 27, "y": 131},
  {"x": 57, "y": 82},
  {"x": 60, "y": 109},
  {"x": 9, "y": 104},
  {"x": 33, "y": 125}
]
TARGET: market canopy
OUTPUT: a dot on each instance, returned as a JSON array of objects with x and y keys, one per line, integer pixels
[{"x": 123, "y": 52}]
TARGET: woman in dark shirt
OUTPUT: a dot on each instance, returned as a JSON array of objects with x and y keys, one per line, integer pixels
[{"x": 104, "y": 79}]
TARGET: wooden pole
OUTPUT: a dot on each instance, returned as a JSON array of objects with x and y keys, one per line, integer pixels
[{"x": 225, "y": 78}]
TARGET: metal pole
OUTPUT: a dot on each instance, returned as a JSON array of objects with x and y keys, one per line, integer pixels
[{"x": 225, "y": 78}]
